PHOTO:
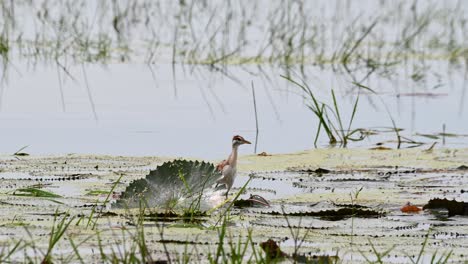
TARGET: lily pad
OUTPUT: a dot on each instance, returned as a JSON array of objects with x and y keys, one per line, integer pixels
[
  {"x": 253, "y": 201},
  {"x": 169, "y": 183},
  {"x": 335, "y": 215},
  {"x": 453, "y": 207}
]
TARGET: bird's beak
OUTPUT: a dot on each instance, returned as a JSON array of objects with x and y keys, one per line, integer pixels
[{"x": 246, "y": 142}]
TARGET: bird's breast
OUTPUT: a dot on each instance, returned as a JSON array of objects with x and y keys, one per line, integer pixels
[{"x": 229, "y": 171}]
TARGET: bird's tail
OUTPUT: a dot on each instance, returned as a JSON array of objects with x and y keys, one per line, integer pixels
[
  {"x": 220, "y": 183},
  {"x": 221, "y": 180}
]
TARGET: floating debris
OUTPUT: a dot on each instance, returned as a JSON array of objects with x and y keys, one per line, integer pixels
[
  {"x": 380, "y": 148},
  {"x": 253, "y": 201},
  {"x": 409, "y": 208},
  {"x": 272, "y": 250},
  {"x": 386, "y": 188},
  {"x": 349, "y": 205},
  {"x": 428, "y": 95}
]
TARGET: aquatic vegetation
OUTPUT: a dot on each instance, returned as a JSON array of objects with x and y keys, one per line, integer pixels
[
  {"x": 401, "y": 46},
  {"x": 56, "y": 234},
  {"x": 347, "y": 61},
  {"x": 34, "y": 192},
  {"x": 335, "y": 215},
  {"x": 453, "y": 207},
  {"x": 20, "y": 153},
  {"x": 291, "y": 33},
  {"x": 171, "y": 181},
  {"x": 254, "y": 200},
  {"x": 330, "y": 118},
  {"x": 409, "y": 208},
  {"x": 272, "y": 250},
  {"x": 307, "y": 214}
]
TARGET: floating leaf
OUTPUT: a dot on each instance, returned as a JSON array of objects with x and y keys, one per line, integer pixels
[
  {"x": 253, "y": 201},
  {"x": 380, "y": 148},
  {"x": 409, "y": 208},
  {"x": 314, "y": 259},
  {"x": 168, "y": 183},
  {"x": 274, "y": 254},
  {"x": 19, "y": 153},
  {"x": 272, "y": 250},
  {"x": 453, "y": 207},
  {"x": 35, "y": 192},
  {"x": 335, "y": 215},
  {"x": 322, "y": 171}
]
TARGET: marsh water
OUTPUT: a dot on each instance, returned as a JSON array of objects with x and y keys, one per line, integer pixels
[
  {"x": 303, "y": 202},
  {"x": 100, "y": 83},
  {"x": 84, "y": 79}
]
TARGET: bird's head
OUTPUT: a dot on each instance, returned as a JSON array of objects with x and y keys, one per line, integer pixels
[{"x": 238, "y": 140}]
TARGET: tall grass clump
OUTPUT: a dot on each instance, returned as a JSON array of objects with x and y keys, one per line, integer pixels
[
  {"x": 330, "y": 118},
  {"x": 56, "y": 234}
]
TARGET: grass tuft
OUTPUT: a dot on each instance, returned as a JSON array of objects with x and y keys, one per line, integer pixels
[{"x": 330, "y": 118}]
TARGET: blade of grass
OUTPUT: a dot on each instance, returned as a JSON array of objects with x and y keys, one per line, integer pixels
[
  {"x": 56, "y": 234},
  {"x": 35, "y": 193},
  {"x": 337, "y": 113}
]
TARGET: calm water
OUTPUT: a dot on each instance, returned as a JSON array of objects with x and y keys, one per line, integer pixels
[
  {"x": 127, "y": 108},
  {"x": 137, "y": 115}
]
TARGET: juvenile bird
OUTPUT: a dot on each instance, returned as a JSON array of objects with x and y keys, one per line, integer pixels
[{"x": 228, "y": 167}]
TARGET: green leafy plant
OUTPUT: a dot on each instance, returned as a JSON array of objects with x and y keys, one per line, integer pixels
[
  {"x": 103, "y": 205},
  {"x": 170, "y": 182}
]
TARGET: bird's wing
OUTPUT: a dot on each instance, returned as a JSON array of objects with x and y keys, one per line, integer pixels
[
  {"x": 221, "y": 165},
  {"x": 228, "y": 171}
]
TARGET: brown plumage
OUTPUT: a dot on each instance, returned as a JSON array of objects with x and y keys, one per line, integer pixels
[{"x": 228, "y": 167}]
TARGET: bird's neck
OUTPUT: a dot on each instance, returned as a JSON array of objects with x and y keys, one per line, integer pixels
[{"x": 233, "y": 157}]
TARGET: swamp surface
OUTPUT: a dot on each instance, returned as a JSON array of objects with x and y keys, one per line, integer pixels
[
  {"x": 354, "y": 109},
  {"x": 302, "y": 199}
]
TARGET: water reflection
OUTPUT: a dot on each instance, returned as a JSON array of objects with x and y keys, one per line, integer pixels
[{"x": 91, "y": 77}]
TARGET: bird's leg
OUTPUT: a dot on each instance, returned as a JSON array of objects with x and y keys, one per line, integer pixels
[
  {"x": 219, "y": 182},
  {"x": 228, "y": 189}
]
